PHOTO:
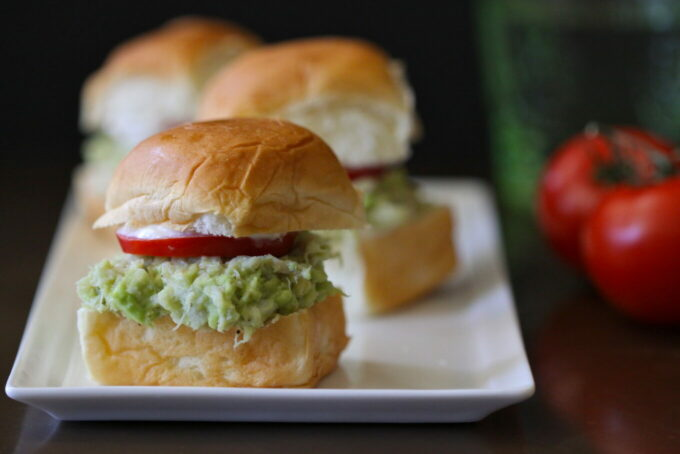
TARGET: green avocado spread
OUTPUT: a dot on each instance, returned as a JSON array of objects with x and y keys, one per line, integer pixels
[
  {"x": 103, "y": 150},
  {"x": 244, "y": 292},
  {"x": 391, "y": 200}
]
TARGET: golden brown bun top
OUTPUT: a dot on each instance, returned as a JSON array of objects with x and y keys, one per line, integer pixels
[
  {"x": 262, "y": 176},
  {"x": 271, "y": 77},
  {"x": 175, "y": 47},
  {"x": 183, "y": 53}
]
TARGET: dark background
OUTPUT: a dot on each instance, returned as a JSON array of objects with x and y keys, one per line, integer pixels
[{"x": 50, "y": 47}]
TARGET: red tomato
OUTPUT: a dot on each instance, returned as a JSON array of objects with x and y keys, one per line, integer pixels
[
  {"x": 360, "y": 172},
  {"x": 570, "y": 190},
  {"x": 204, "y": 245},
  {"x": 631, "y": 247}
]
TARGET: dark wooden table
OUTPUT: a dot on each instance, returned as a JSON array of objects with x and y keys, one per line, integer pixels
[{"x": 603, "y": 384}]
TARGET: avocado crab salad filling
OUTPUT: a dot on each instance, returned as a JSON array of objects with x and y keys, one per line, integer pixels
[
  {"x": 101, "y": 149},
  {"x": 391, "y": 200},
  {"x": 245, "y": 292}
]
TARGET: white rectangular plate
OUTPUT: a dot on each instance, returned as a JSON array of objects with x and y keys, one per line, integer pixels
[{"x": 455, "y": 356}]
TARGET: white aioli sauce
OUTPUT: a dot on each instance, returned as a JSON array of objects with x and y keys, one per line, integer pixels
[{"x": 207, "y": 224}]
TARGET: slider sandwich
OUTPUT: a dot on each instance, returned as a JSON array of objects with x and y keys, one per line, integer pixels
[
  {"x": 222, "y": 283},
  {"x": 146, "y": 85},
  {"x": 357, "y": 99}
]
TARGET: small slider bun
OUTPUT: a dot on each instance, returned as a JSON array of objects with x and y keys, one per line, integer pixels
[
  {"x": 347, "y": 91},
  {"x": 260, "y": 176},
  {"x": 297, "y": 350},
  {"x": 424, "y": 259},
  {"x": 152, "y": 81},
  {"x": 87, "y": 184},
  {"x": 384, "y": 270}
]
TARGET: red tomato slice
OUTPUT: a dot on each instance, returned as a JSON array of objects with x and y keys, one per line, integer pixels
[
  {"x": 361, "y": 172},
  {"x": 206, "y": 245}
]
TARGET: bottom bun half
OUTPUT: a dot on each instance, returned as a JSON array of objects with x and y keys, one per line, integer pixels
[
  {"x": 89, "y": 186},
  {"x": 381, "y": 271},
  {"x": 295, "y": 351},
  {"x": 89, "y": 183}
]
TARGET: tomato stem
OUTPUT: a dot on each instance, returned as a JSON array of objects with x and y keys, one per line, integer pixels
[{"x": 631, "y": 160}]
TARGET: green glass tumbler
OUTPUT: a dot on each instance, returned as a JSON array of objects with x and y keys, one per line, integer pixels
[{"x": 552, "y": 66}]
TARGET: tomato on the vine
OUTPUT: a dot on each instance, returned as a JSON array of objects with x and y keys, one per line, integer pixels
[
  {"x": 631, "y": 247},
  {"x": 583, "y": 171}
]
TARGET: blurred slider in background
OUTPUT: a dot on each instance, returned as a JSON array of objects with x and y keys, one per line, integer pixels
[
  {"x": 357, "y": 99},
  {"x": 146, "y": 85}
]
